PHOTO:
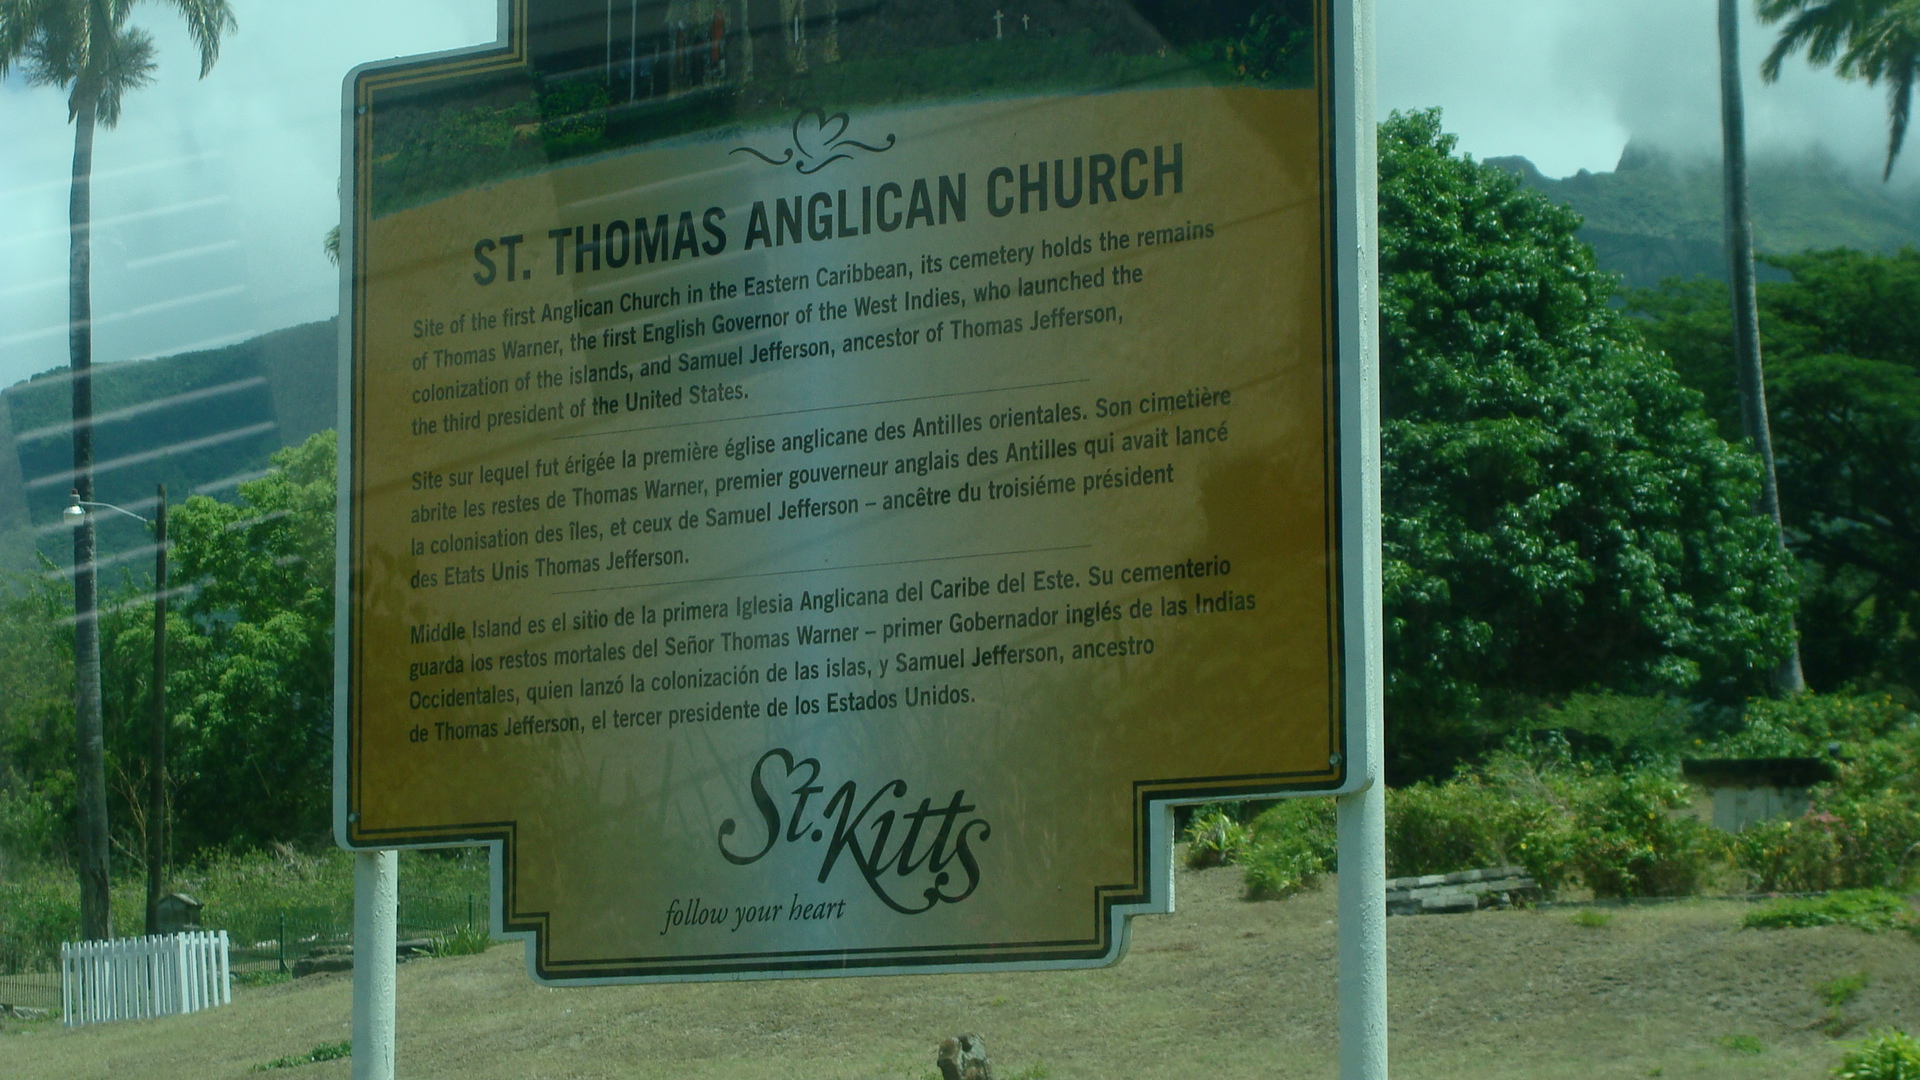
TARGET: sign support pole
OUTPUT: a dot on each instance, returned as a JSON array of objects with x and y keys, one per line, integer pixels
[
  {"x": 376, "y": 909},
  {"x": 1362, "y": 814},
  {"x": 1363, "y": 934}
]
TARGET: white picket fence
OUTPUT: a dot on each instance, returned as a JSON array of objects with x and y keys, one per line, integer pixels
[{"x": 135, "y": 978}]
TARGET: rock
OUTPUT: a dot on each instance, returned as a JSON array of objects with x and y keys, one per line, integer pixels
[
  {"x": 340, "y": 957},
  {"x": 315, "y": 965},
  {"x": 964, "y": 1057}
]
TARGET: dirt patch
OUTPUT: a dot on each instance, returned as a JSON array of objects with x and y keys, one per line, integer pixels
[{"x": 1221, "y": 988}]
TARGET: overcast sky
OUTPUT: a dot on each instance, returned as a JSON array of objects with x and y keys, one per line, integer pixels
[{"x": 211, "y": 198}]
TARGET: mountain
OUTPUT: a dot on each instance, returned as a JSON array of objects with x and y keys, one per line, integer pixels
[
  {"x": 200, "y": 422},
  {"x": 1656, "y": 216}
]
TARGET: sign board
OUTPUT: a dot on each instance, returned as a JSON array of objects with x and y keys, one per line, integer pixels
[{"x": 821, "y": 480}]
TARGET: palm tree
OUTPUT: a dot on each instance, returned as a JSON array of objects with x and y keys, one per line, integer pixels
[
  {"x": 1873, "y": 40},
  {"x": 86, "y": 48},
  {"x": 1746, "y": 312}
]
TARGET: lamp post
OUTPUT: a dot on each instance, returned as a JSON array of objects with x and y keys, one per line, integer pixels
[{"x": 157, "y": 747}]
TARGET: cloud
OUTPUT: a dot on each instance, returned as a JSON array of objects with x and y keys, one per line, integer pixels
[
  {"x": 1568, "y": 83},
  {"x": 211, "y": 197}
]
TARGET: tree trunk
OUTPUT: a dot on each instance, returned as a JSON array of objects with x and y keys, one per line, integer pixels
[
  {"x": 767, "y": 24},
  {"x": 90, "y": 757},
  {"x": 745, "y": 25},
  {"x": 1746, "y": 312}
]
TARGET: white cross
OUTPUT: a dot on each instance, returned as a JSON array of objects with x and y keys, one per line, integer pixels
[
  {"x": 997, "y": 16},
  {"x": 1023, "y": 22}
]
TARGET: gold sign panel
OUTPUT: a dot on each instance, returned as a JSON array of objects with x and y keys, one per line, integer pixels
[{"x": 824, "y": 542}]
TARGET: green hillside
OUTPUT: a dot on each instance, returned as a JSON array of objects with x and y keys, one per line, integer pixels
[
  {"x": 1656, "y": 216},
  {"x": 196, "y": 422}
]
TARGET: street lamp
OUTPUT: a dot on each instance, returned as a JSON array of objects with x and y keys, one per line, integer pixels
[{"x": 157, "y": 749}]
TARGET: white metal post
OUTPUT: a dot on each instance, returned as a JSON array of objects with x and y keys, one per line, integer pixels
[
  {"x": 1362, "y": 814},
  {"x": 1363, "y": 934},
  {"x": 376, "y": 909}
]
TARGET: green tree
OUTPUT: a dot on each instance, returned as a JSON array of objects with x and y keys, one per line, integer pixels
[
  {"x": 253, "y": 690},
  {"x": 1560, "y": 515},
  {"x": 249, "y": 684},
  {"x": 36, "y": 720},
  {"x": 1874, "y": 40},
  {"x": 1844, "y": 338},
  {"x": 86, "y": 48}
]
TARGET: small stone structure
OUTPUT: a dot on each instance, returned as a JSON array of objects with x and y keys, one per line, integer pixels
[
  {"x": 322, "y": 959},
  {"x": 178, "y": 912},
  {"x": 1747, "y": 791},
  {"x": 964, "y": 1057},
  {"x": 1463, "y": 890}
]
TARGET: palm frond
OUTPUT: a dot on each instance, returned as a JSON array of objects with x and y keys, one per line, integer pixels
[
  {"x": 129, "y": 65},
  {"x": 53, "y": 57},
  {"x": 207, "y": 21},
  {"x": 1899, "y": 111},
  {"x": 1821, "y": 29},
  {"x": 86, "y": 46},
  {"x": 1870, "y": 40}
]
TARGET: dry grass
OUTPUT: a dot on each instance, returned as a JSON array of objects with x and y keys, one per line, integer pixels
[{"x": 1223, "y": 988}]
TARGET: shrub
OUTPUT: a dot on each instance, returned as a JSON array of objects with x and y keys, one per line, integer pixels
[
  {"x": 1621, "y": 727},
  {"x": 1591, "y": 919},
  {"x": 1214, "y": 838},
  {"x": 1862, "y": 844},
  {"x": 1275, "y": 871},
  {"x": 1460, "y": 825},
  {"x": 573, "y": 116},
  {"x": 1786, "y": 856},
  {"x": 1806, "y": 725},
  {"x": 1292, "y": 844},
  {"x": 1871, "y": 910},
  {"x": 1622, "y": 839},
  {"x": 324, "y": 1052},
  {"x": 29, "y": 826},
  {"x": 38, "y": 910},
  {"x": 1885, "y": 1055},
  {"x": 1863, "y": 828},
  {"x": 1842, "y": 989},
  {"x": 1564, "y": 820},
  {"x": 461, "y": 941},
  {"x": 1266, "y": 49}
]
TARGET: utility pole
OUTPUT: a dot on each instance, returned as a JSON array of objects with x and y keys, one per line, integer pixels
[
  {"x": 157, "y": 754},
  {"x": 1746, "y": 311},
  {"x": 87, "y": 614}
]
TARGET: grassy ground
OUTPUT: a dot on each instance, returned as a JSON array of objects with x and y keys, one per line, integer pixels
[
  {"x": 244, "y": 895},
  {"x": 1222, "y": 988}
]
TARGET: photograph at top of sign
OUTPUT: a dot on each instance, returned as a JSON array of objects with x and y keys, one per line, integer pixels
[{"x": 603, "y": 75}]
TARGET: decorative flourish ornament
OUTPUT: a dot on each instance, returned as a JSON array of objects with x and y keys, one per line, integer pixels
[{"x": 819, "y": 140}]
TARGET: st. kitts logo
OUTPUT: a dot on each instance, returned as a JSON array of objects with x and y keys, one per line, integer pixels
[{"x": 906, "y": 854}]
